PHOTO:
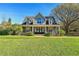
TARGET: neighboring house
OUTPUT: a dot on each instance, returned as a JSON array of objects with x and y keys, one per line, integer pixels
[{"x": 40, "y": 24}]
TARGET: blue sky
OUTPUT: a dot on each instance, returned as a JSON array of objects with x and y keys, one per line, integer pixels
[{"x": 17, "y": 11}]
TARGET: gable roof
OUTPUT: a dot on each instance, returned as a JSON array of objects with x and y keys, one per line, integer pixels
[{"x": 39, "y": 15}]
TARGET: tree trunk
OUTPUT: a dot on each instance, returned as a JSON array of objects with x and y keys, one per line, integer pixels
[{"x": 66, "y": 30}]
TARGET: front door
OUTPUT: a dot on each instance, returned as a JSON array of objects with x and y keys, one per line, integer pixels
[{"x": 39, "y": 30}]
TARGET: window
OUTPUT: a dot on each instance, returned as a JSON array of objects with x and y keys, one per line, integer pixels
[{"x": 40, "y": 20}]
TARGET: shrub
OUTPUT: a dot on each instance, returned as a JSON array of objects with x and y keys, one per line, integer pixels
[
  {"x": 62, "y": 32},
  {"x": 13, "y": 32},
  {"x": 29, "y": 34},
  {"x": 47, "y": 34},
  {"x": 5, "y": 32}
]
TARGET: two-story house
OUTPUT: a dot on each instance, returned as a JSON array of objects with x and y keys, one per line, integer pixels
[{"x": 40, "y": 24}]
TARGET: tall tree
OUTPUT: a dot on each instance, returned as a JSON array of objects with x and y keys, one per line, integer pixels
[
  {"x": 9, "y": 20},
  {"x": 67, "y": 14}
]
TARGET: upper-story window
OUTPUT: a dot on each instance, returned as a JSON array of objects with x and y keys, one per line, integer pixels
[
  {"x": 52, "y": 20},
  {"x": 39, "y": 20},
  {"x": 27, "y": 21}
]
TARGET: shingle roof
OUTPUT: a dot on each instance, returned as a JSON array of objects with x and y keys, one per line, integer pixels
[{"x": 45, "y": 17}]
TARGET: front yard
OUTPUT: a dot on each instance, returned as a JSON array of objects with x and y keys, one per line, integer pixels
[{"x": 36, "y": 46}]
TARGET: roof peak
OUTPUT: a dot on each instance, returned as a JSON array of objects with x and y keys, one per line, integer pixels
[{"x": 38, "y": 15}]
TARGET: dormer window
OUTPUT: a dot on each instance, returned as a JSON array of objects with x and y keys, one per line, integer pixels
[
  {"x": 27, "y": 21},
  {"x": 39, "y": 20}
]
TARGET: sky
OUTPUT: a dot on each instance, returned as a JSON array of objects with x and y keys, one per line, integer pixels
[{"x": 18, "y": 11}]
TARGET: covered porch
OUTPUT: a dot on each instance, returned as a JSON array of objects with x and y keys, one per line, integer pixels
[{"x": 42, "y": 29}]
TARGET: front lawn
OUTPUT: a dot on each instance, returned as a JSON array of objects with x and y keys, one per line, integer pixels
[{"x": 36, "y": 46}]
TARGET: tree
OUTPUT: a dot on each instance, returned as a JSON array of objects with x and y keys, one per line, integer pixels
[
  {"x": 9, "y": 20},
  {"x": 16, "y": 29},
  {"x": 67, "y": 14},
  {"x": 74, "y": 27},
  {"x": 6, "y": 24}
]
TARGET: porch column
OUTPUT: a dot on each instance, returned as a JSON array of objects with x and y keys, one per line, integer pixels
[
  {"x": 52, "y": 30},
  {"x": 32, "y": 29},
  {"x": 45, "y": 29},
  {"x": 59, "y": 30}
]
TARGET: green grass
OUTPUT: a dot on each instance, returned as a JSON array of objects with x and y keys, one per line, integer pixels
[{"x": 36, "y": 46}]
